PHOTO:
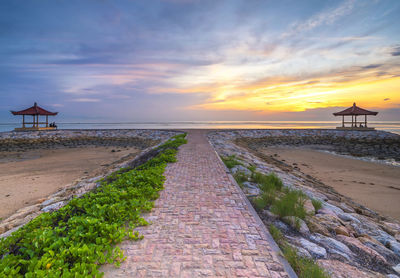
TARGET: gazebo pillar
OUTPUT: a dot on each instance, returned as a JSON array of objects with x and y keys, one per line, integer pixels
[
  {"x": 47, "y": 120},
  {"x": 23, "y": 121},
  {"x": 365, "y": 121},
  {"x": 342, "y": 120}
]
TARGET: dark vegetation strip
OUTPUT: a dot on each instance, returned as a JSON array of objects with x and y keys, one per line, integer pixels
[{"x": 75, "y": 240}]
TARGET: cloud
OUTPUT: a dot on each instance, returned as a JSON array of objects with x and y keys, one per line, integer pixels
[
  {"x": 372, "y": 66},
  {"x": 85, "y": 100},
  {"x": 395, "y": 51},
  {"x": 324, "y": 18},
  {"x": 386, "y": 99}
]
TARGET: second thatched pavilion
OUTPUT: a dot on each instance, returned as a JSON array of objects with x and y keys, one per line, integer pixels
[{"x": 355, "y": 111}]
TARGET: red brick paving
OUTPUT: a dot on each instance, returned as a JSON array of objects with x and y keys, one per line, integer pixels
[{"x": 201, "y": 225}]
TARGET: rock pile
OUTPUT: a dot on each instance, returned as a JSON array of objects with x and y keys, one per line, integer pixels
[
  {"x": 378, "y": 144},
  {"x": 345, "y": 238},
  {"x": 23, "y": 141}
]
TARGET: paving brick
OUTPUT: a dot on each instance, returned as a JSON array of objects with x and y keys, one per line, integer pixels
[{"x": 201, "y": 225}]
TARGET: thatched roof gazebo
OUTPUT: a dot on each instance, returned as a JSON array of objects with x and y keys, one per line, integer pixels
[
  {"x": 355, "y": 111},
  {"x": 35, "y": 111}
]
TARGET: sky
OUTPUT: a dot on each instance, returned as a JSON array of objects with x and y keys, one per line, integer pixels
[{"x": 199, "y": 60}]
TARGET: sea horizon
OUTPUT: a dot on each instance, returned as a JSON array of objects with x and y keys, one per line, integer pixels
[{"x": 390, "y": 126}]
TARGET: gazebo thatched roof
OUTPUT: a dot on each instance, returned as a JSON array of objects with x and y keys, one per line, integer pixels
[
  {"x": 34, "y": 110},
  {"x": 355, "y": 110}
]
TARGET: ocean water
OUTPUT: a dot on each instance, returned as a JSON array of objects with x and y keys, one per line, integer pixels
[{"x": 391, "y": 126}]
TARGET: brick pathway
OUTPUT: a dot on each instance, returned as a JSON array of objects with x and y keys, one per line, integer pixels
[{"x": 202, "y": 225}]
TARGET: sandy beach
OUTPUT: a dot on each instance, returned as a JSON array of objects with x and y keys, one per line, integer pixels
[
  {"x": 32, "y": 175},
  {"x": 374, "y": 185}
]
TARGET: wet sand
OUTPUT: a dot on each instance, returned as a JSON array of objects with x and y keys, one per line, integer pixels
[
  {"x": 27, "y": 177},
  {"x": 373, "y": 185}
]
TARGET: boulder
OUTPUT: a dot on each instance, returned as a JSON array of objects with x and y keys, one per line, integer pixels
[
  {"x": 332, "y": 245},
  {"x": 53, "y": 207},
  {"x": 348, "y": 217},
  {"x": 372, "y": 243},
  {"x": 338, "y": 269},
  {"x": 333, "y": 208},
  {"x": 21, "y": 213},
  {"x": 362, "y": 250},
  {"x": 346, "y": 208},
  {"x": 394, "y": 246},
  {"x": 308, "y": 206},
  {"x": 301, "y": 251},
  {"x": 51, "y": 201},
  {"x": 397, "y": 268},
  {"x": 341, "y": 230},
  {"x": 368, "y": 227},
  {"x": 240, "y": 168},
  {"x": 316, "y": 227},
  {"x": 314, "y": 249},
  {"x": 251, "y": 188}
]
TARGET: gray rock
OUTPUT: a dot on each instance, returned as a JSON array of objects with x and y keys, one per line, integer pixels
[
  {"x": 394, "y": 246},
  {"x": 281, "y": 226},
  {"x": 251, "y": 188},
  {"x": 348, "y": 217},
  {"x": 240, "y": 168},
  {"x": 53, "y": 207},
  {"x": 373, "y": 230},
  {"x": 301, "y": 251},
  {"x": 315, "y": 250},
  {"x": 50, "y": 201},
  {"x": 333, "y": 208},
  {"x": 333, "y": 246},
  {"x": 397, "y": 268},
  {"x": 392, "y": 276}
]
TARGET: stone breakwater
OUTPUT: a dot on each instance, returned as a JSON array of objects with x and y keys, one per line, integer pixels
[
  {"x": 378, "y": 144},
  {"x": 20, "y": 141},
  {"x": 23, "y": 141},
  {"x": 345, "y": 238}
]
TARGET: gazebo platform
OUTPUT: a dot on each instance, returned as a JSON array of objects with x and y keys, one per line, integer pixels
[
  {"x": 355, "y": 128},
  {"x": 34, "y": 128}
]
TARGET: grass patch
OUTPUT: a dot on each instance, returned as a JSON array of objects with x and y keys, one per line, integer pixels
[
  {"x": 75, "y": 240},
  {"x": 252, "y": 168},
  {"x": 267, "y": 182},
  {"x": 290, "y": 204},
  {"x": 317, "y": 204},
  {"x": 240, "y": 178},
  {"x": 304, "y": 267},
  {"x": 230, "y": 161}
]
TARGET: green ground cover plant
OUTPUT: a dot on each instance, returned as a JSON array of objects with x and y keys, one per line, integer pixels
[
  {"x": 304, "y": 267},
  {"x": 75, "y": 240}
]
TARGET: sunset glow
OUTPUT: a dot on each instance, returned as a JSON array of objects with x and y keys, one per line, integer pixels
[{"x": 201, "y": 60}]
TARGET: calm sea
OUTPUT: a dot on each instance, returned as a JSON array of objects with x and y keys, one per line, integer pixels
[{"x": 391, "y": 126}]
